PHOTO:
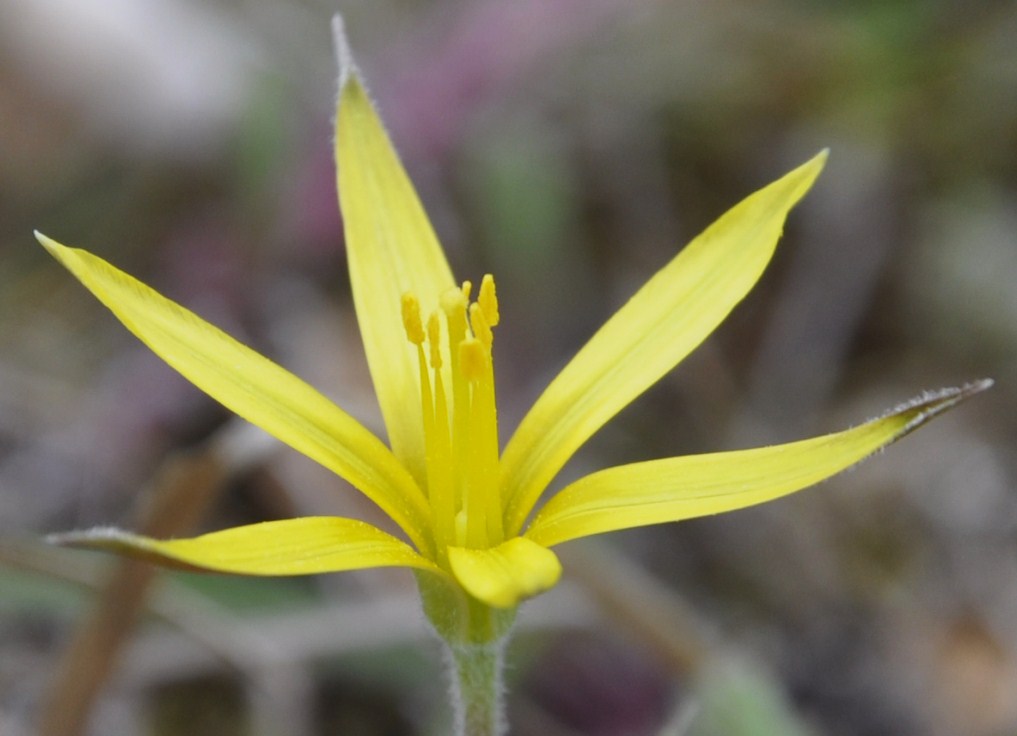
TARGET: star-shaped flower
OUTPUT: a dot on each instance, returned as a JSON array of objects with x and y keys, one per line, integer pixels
[{"x": 466, "y": 507}]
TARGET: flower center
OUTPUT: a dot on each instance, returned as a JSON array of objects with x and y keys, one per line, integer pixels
[{"x": 461, "y": 427}]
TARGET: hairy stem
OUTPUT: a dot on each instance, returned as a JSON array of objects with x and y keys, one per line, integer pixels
[{"x": 477, "y": 691}]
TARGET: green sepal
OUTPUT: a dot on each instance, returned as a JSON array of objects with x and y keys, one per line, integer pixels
[{"x": 459, "y": 618}]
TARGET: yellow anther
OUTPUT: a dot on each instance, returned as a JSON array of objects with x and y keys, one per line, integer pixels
[
  {"x": 480, "y": 325},
  {"x": 467, "y": 288},
  {"x": 488, "y": 300},
  {"x": 471, "y": 359},
  {"x": 434, "y": 339},
  {"x": 411, "y": 319}
]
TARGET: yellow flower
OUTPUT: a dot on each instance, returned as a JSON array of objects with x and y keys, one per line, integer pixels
[{"x": 466, "y": 509}]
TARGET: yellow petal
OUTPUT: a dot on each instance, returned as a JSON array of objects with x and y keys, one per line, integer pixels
[
  {"x": 255, "y": 388},
  {"x": 392, "y": 249},
  {"x": 699, "y": 485},
  {"x": 674, "y": 312},
  {"x": 314, "y": 544},
  {"x": 503, "y": 576}
]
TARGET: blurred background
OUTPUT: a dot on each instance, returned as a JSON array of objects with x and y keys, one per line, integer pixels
[{"x": 570, "y": 147}]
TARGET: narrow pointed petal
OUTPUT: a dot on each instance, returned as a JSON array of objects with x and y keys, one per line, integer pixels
[
  {"x": 505, "y": 575},
  {"x": 255, "y": 388},
  {"x": 699, "y": 485},
  {"x": 671, "y": 315},
  {"x": 392, "y": 249},
  {"x": 314, "y": 544}
]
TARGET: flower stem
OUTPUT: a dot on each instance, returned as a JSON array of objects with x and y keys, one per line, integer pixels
[
  {"x": 474, "y": 636},
  {"x": 477, "y": 692}
]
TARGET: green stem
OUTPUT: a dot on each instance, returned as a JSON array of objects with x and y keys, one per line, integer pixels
[
  {"x": 474, "y": 636},
  {"x": 477, "y": 691}
]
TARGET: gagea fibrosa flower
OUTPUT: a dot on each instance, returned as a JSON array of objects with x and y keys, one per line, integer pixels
[{"x": 464, "y": 505}]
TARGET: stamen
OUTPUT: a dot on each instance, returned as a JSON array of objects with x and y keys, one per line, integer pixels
[
  {"x": 440, "y": 477},
  {"x": 434, "y": 339},
  {"x": 471, "y": 359},
  {"x": 415, "y": 334},
  {"x": 460, "y": 423},
  {"x": 488, "y": 300},
  {"x": 481, "y": 469},
  {"x": 411, "y": 319},
  {"x": 454, "y": 304},
  {"x": 481, "y": 327}
]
